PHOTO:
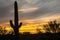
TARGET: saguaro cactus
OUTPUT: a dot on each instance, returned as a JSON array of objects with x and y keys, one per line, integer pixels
[{"x": 15, "y": 26}]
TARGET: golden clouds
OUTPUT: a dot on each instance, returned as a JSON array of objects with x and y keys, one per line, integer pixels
[
  {"x": 28, "y": 27},
  {"x": 32, "y": 28},
  {"x": 29, "y": 9}
]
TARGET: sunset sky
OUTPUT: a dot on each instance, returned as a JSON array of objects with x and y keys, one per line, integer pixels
[{"x": 30, "y": 10}]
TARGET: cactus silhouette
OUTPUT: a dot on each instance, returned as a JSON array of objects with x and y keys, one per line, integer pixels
[{"x": 15, "y": 26}]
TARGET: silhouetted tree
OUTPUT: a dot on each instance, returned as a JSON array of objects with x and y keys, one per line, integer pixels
[
  {"x": 52, "y": 26},
  {"x": 56, "y": 25},
  {"x": 1, "y": 30},
  {"x": 38, "y": 30},
  {"x": 15, "y": 26},
  {"x": 4, "y": 31},
  {"x": 47, "y": 28}
]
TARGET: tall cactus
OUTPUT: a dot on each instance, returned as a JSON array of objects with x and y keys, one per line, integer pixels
[{"x": 15, "y": 26}]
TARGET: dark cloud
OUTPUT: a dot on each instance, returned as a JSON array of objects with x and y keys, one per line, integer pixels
[
  {"x": 5, "y": 13},
  {"x": 46, "y": 7}
]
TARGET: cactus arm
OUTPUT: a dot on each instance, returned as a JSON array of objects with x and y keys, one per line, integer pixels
[
  {"x": 11, "y": 24},
  {"x": 20, "y": 25}
]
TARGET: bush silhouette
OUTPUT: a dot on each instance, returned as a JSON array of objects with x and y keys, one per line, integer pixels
[{"x": 52, "y": 25}]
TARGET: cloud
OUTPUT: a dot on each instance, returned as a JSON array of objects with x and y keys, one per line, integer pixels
[
  {"x": 45, "y": 8},
  {"x": 49, "y": 9},
  {"x": 5, "y": 3}
]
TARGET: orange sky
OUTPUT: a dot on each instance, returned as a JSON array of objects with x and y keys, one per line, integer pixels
[
  {"x": 32, "y": 25},
  {"x": 28, "y": 27}
]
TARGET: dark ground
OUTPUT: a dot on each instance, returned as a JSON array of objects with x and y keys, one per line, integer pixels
[{"x": 27, "y": 36}]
